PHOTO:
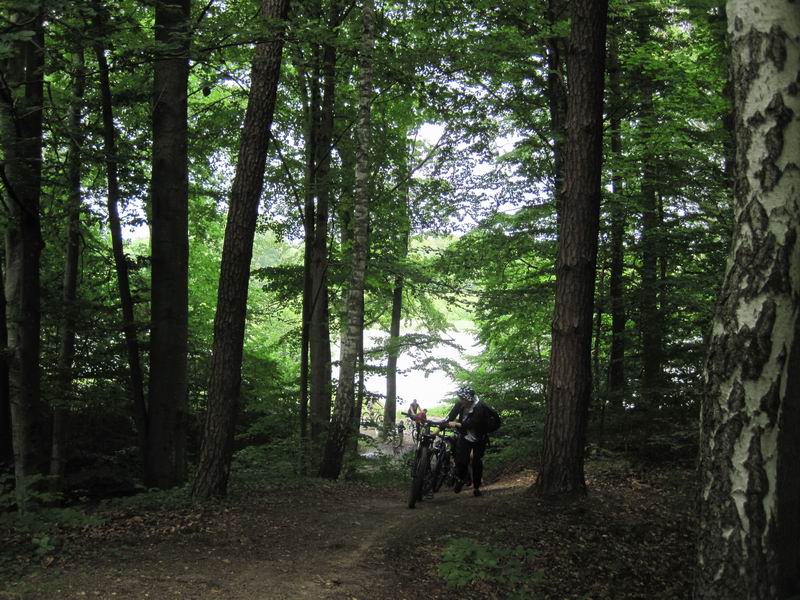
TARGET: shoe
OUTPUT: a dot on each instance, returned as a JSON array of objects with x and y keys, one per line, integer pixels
[
  {"x": 459, "y": 484},
  {"x": 477, "y": 492}
]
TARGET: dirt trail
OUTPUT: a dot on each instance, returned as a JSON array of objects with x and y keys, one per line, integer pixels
[
  {"x": 319, "y": 541},
  {"x": 630, "y": 538}
]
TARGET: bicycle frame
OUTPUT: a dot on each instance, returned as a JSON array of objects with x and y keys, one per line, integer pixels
[{"x": 428, "y": 468}]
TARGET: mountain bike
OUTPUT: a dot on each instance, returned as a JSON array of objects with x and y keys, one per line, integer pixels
[
  {"x": 429, "y": 468},
  {"x": 415, "y": 428},
  {"x": 443, "y": 466}
]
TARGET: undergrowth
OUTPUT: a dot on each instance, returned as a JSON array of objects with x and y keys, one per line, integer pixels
[{"x": 467, "y": 563}]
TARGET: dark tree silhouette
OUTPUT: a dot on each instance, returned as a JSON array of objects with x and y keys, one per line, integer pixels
[{"x": 570, "y": 379}]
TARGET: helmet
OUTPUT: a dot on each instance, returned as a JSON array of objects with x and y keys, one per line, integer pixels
[{"x": 466, "y": 393}]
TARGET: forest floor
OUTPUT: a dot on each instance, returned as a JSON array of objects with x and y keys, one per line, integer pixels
[{"x": 631, "y": 537}]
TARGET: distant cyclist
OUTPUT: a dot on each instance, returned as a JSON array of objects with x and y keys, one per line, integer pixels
[
  {"x": 413, "y": 414},
  {"x": 413, "y": 409}
]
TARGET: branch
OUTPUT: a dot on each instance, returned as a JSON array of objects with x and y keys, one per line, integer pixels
[{"x": 292, "y": 181}]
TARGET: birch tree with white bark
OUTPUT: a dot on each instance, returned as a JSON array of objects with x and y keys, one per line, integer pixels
[
  {"x": 342, "y": 421},
  {"x": 750, "y": 448}
]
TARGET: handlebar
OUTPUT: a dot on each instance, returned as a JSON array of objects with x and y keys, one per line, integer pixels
[{"x": 442, "y": 425}]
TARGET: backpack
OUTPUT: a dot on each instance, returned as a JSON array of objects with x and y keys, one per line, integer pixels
[{"x": 493, "y": 420}]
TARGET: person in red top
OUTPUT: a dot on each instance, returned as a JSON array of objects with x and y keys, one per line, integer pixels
[{"x": 418, "y": 417}]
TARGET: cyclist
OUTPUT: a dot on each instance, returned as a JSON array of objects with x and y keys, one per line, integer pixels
[
  {"x": 469, "y": 417},
  {"x": 417, "y": 417},
  {"x": 413, "y": 409}
]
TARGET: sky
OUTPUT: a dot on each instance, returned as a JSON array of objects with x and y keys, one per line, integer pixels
[{"x": 429, "y": 389}]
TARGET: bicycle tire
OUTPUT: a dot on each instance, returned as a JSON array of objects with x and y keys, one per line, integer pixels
[
  {"x": 419, "y": 477},
  {"x": 412, "y": 496},
  {"x": 440, "y": 471}
]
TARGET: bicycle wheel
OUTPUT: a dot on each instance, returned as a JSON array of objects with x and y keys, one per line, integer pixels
[
  {"x": 412, "y": 464},
  {"x": 440, "y": 471},
  {"x": 418, "y": 481}
]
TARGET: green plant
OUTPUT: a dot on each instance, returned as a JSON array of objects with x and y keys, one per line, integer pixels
[
  {"x": 47, "y": 520},
  {"x": 264, "y": 465},
  {"x": 28, "y": 493},
  {"x": 152, "y": 500},
  {"x": 42, "y": 544},
  {"x": 466, "y": 562}
]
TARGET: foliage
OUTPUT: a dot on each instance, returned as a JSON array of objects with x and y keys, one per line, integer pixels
[
  {"x": 380, "y": 470},
  {"x": 151, "y": 501},
  {"x": 516, "y": 445},
  {"x": 45, "y": 523},
  {"x": 465, "y": 215},
  {"x": 466, "y": 562},
  {"x": 257, "y": 466}
]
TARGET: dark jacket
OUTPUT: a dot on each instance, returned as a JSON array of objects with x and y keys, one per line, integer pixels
[{"x": 475, "y": 421}]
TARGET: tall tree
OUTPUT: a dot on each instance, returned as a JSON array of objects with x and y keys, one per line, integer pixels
[
  {"x": 165, "y": 464},
  {"x": 66, "y": 353},
  {"x": 342, "y": 423},
  {"x": 650, "y": 316},
  {"x": 404, "y": 234},
  {"x": 310, "y": 100},
  {"x": 390, "y": 406},
  {"x": 750, "y": 450},
  {"x": 616, "y": 369},
  {"x": 113, "y": 196},
  {"x": 6, "y": 445},
  {"x": 319, "y": 332},
  {"x": 229, "y": 322},
  {"x": 22, "y": 98},
  {"x": 570, "y": 379}
]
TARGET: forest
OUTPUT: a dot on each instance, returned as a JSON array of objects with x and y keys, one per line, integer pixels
[{"x": 233, "y": 229}]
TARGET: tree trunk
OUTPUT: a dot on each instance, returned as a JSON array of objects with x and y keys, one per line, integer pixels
[
  {"x": 22, "y": 98},
  {"x": 66, "y": 352},
  {"x": 390, "y": 407},
  {"x": 598, "y": 332},
  {"x": 320, "y": 321},
  {"x": 229, "y": 323},
  {"x": 404, "y": 235},
  {"x": 570, "y": 380},
  {"x": 342, "y": 422},
  {"x": 360, "y": 389},
  {"x": 310, "y": 102},
  {"x": 138, "y": 402},
  {"x": 170, "y": 247},
  {"x": 360, "y": 392},
  {"x": 650, "y": 322},
  {"x": 749, "y": 449},
  {"x": 6, "y": 446},
  {"x": 616, "y": 369},
  {"x": 305, "y": 336}
]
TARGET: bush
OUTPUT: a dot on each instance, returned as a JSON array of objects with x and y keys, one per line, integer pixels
[
  {"x": 265, "y": 465},
  {"x": 466, "y": 562}
]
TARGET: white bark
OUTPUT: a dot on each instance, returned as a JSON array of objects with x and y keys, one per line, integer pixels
[
  {"x": 351, "y": 334},
  {"x": 754, "y": 329}
]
